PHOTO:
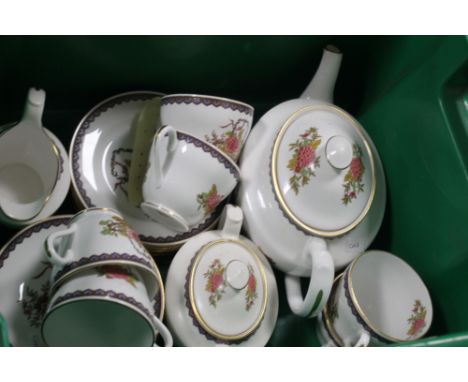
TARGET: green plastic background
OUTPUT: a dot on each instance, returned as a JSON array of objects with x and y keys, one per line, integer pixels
[{"x": 409, "y": 92}]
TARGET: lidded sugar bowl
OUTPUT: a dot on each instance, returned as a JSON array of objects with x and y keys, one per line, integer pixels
[{"x": 221, "y": 290}]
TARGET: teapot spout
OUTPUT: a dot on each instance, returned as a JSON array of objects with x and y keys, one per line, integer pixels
[{"x": 323, "y": 83}]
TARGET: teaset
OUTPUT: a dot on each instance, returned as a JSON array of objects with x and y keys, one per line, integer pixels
[{"x": 154, "y": 173}]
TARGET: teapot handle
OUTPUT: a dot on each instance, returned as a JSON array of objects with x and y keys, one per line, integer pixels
[
  {"x": 363, "y": 340},
  {"x": 320, "y": 284}
]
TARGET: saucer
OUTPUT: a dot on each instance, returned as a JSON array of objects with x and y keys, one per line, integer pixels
[
  {"x": 100, "y": 152},
  {"x": 60, "y": 190},
  {"x": 25, "y": 281}
]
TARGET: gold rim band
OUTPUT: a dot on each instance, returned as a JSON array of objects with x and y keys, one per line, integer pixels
[
  {"x": 56, "y": 151},
  {"x": 357, "y": 306},
  {"x": 194, "y": 307},
  {"x": 275, "y": 177},
  {"x": 326, "y": 319}
]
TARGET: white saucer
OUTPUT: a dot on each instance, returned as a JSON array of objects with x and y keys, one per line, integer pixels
[
  {"x": 24, "y": 281},
  {"x": 59, "y": 192},
  {"x": 100, "y": 154}
]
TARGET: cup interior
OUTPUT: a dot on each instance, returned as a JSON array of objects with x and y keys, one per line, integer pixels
[
  {"x": 196, "y": 147},
  {"x": 33, "y": 161},
  {"x": 391, "y": 296},
  {"x": 96, "y": 322}
]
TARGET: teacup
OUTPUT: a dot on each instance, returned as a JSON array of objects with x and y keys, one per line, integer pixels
[
  {"x": 106, "y": 305},
  {"x": 98, "y": 236},
  {"x": 223, "y": 122},
  {"x": 378, "y": 300},
  {"x": 186, "y": 179}
]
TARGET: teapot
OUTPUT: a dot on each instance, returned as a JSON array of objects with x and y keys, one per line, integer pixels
[{"x": 312, "y": 188}]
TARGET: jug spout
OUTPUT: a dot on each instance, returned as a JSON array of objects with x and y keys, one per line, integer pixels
[{"x": 323, "y": 83}]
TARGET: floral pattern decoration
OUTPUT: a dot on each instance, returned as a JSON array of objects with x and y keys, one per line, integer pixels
[
  {"x": 120, "y": 168},
  {"x": 304, "y": 160},
  {"x": 417, "y": 320},
  {"x": 209, "y": 200},
  {"x": 215, "y": 283},
  {"x": 117, "y": 272},
  {"x": 333, "y": 304},
  {"x": 34, "y": 304},
  {"x": 251, "y": 291},
  {"x": 34, "y": 301},
  {"x": 353, "y": 179},
  {"x": 231, "y": 140},
  {"x": 117, "y": 226}
]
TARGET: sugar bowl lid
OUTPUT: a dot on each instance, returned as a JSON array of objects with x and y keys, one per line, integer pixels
[
  {"x": 323, "y": 171},
  {"x": 226, "y": 290}
]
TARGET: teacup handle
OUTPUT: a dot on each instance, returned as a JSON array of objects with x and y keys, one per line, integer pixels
[
  {"x": 231, "y": 222},
  {"x": 55, "y": 257},
  {"x": 164, "y": 145},
  {"x": 163, "y": 331},
  {"x": 320, "y": 284}
]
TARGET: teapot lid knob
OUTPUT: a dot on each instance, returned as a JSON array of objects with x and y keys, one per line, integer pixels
[
  {"x": 339, "y": 152},
  {"x": 237, "y": 274}
]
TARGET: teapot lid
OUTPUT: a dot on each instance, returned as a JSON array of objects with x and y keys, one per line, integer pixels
[
  {"x": 323, "y": 171},
  {"x": 226, "y": 290}
]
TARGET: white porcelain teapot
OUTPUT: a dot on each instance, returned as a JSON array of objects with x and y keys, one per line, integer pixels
[{"x": 312, "y": 188}]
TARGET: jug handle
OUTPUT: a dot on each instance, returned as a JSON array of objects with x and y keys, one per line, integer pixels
[
  {"x": 50, "y": 244},
  {"x": 320, "y": 284},
  {"x": 162, "y": 156}
]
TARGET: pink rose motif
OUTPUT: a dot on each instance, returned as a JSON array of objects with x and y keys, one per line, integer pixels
[
  {"x": 356, "y": 167},
  {"x": 115, "y": 275},
  {"x": 216, "y": 281},
  {"x": 232, "y": 144},
  {"x": 252, "y": 283},
  {"x": 213, "y": 201},
  {"x": 417, "y": 326},
  {"x": 116, "y": 272},
  {"x": 305, "y": 156},
  {"x": 132, "y": 234}
]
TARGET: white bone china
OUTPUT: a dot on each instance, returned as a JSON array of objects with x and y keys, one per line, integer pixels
[
  {"x": 186, "y": 179},
  {"x": 29, "y": 164},
  {"x": 310, "y": 172},
  {"x": 98, "y": 236},
  {"x": 100, "y": 155},
  {"x": 378, "y": 300},
  {"x": 221, "y": 290},
  {"x": 223, "y": 122},
  {"x": 106, "y": 305}
]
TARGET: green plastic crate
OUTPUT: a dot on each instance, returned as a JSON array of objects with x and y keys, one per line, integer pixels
[
  {"x": 409, "y": 92},
  {"x": 3, "y": 333}
]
